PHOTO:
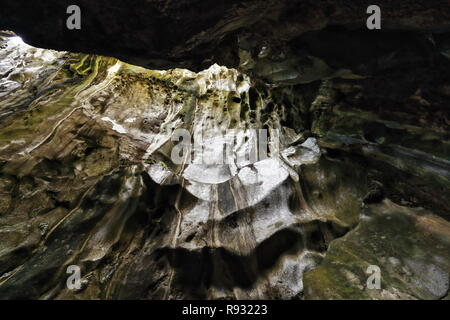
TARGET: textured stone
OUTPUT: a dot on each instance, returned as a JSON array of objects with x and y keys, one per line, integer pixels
[
  {"x": 194, "y": 34},
  {"x": 361, "y": 177}
]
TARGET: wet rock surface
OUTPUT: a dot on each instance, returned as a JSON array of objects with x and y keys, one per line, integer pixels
[{"x": 360, "y": 176}]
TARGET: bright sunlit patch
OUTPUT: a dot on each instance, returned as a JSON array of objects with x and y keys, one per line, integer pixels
[
  {"x": 116, "y": 127},
  {"x": 114, "y": 68},
  {"x": 15, "y": 41}
]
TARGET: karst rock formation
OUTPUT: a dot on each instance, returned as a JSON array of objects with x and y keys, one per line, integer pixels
[{"x": 357, "y": 172}]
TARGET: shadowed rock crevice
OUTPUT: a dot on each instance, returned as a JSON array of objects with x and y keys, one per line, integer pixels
[{"x": 217, "y": 267}]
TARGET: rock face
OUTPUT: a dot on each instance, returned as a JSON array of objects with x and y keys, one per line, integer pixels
[
  {"x": 357, "y": 171},
  {"x": 194, "y": 34}
]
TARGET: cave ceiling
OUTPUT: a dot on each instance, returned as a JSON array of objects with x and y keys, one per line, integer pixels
[{"x": 356, "y": 175}]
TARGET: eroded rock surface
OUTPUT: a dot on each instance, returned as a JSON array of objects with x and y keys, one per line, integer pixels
[{"x": 360, "y": 176}]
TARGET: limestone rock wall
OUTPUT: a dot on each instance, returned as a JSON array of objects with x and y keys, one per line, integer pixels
[{"x": 357, "y": 174}]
